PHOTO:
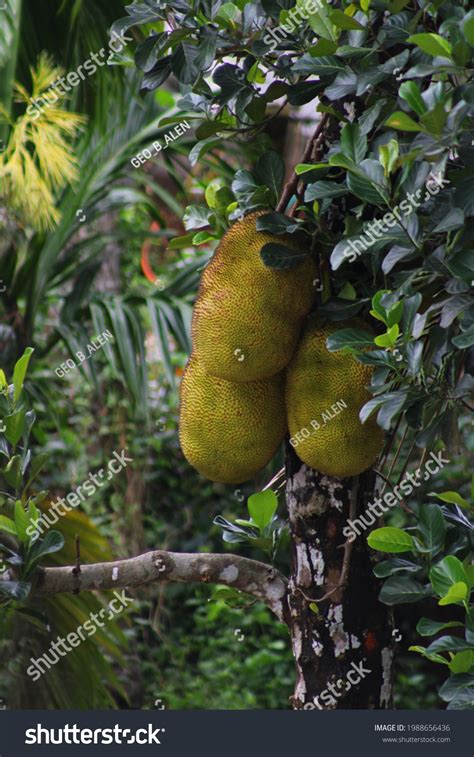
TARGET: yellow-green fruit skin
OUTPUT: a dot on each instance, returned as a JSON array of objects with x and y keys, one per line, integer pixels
[
  {"x": 316, "y": 380},
  {"x": 248, "y": 317},
  {"x": 229, "y": 431}
]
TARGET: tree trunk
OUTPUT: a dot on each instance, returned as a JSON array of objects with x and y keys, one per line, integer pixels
[{"x": 343, "y": 645}]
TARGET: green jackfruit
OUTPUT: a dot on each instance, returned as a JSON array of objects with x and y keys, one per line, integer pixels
[
  {"x": 247, "y": 316},
  {"x": 229, "y": 431},
  {"x": 324, "y": 394}
]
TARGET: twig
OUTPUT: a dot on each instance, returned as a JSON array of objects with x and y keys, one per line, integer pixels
[
  {"x": 77, "y": 568},
  {"x": 291, "y": 186}
]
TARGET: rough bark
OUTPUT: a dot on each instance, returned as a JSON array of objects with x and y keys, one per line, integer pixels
[
  {"x": 332, "y": 637},
  {"x": 254, "y": 578}
]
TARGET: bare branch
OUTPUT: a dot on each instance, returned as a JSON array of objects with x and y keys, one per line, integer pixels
[{"x": 254, "y": 578}]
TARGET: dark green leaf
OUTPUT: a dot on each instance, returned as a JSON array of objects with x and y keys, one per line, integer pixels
[
  {"x": 399, "y": 590},
  {"x": 395, "y": 565},
  {"x": 427, "y": 627},
  {"x": 353, "y": 338},
  {"x": 432, "y": 527},
  {"x": 280, "y": 256}
]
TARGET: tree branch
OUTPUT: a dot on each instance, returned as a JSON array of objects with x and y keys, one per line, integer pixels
[
  {"x": 254, "y": 578},
  {"x": 291, "y": 186}
]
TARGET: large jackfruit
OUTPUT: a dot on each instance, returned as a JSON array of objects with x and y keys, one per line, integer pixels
[
  {"x": 229, "y": 431},
  {"x": 324, "y": 394},
  {"x": 247, "y": 316}
]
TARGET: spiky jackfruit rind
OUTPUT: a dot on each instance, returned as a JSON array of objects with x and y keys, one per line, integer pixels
[
  {"x": 245, "y": 308},
  {"x": 229, "y": 431},
  {"x": 336, "y": 444}
]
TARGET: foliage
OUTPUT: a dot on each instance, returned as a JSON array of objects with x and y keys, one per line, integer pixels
[
  {"x": 19, "y": 470},
  {"x": 439, "y": 546},
  {"x": 402, "y": 152},
  {"x": 263, "y": 530},
  {"x": 37, "y": 162},
  {"x": 22, "y": 550},
  {"x": 201, "y": 661}
]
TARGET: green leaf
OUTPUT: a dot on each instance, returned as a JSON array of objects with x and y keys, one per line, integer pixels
[
  {"x": 37, "y": 464},
  {"x": 19, "y": 372},
  {"x": 395, "y": 565},
  {"x": 464, "y": 340},
  {"x": 389, "y": 338},
  {"x": 324, "y": 65},
  {"x": 390, "y": 539},
  {"x": 401, "y": 121},
  {"x": 456, "y": 595},
  {"x": 305, "y": 167},
  {"x": 353, "y": 143},
  {"x": 399, "y": 590},
  {"x": 321, "y": 24},
  {"x": 410, "y": 92},
  {"x": 432, "y": 527},
  {"x": 433, "y": 657},
  {"x": 323, "y": 47},
  {"x": 467, "y": 26},
  {"x": 344, "y": 22},
  {"x": 367, "y": 182},
  {"x": 7, "y": 525},
  {"x": 15, "y": 426},
  {"x": 228, "y": 12},
  {"x": 276, "y": 223},
  {"x": 432, "y": 44},
  {"x": 280, "y": 256},
  {"x": 22, "y": 522},
  {"x": 322, "y": 189},
  {"x": 52, "y": 542},
  {"x": 448, "y": 644},
  {"x": 389, "y": 156},
  {"x": 15, "y": 589},
  {"x": 427, "y": 627},
  {"x": 462, "y": 662},
  {"x": 353, "y": 338},
  {"x": 12, "y": 473},
  {"x": 395, "y": 313},
  {"x": 451, "y": 497},
  {"x": 389, "y": 404},
  {"x": 456, "y": 685},
  {"x": 270, "y": 171},
  {"x": 262, "y": 506},
  {"x": 435, "y": 120},
  {"x": 447, "y": 572}
]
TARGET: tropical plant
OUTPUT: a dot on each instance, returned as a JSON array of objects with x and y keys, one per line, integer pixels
[{"x": 440, "y": 548}]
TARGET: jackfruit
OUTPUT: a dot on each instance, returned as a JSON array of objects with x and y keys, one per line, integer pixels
[
  {"x": 248, "y": 317},
  {"x": 324, "y": 394},
  {"x": 229, "y": 431}
]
